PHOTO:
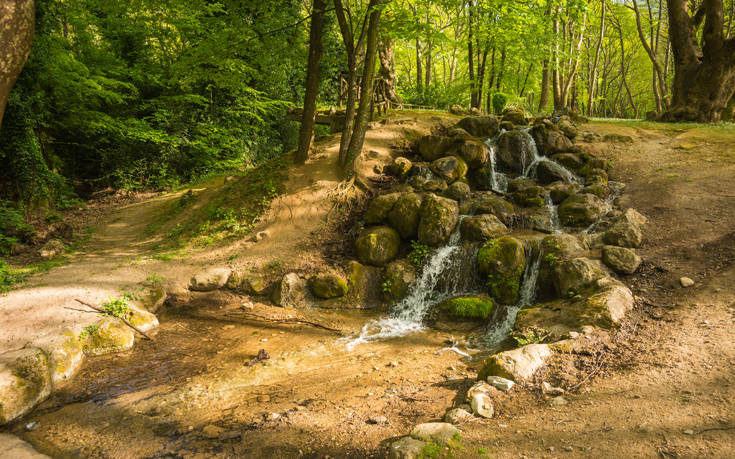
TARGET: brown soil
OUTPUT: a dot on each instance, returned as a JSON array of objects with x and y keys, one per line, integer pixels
[{"x": 662, "y": 387}]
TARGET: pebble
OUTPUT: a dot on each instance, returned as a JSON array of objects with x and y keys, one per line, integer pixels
[
  {"x": 271, "y": 416},
  {"x": 548, "y": 389},
  {"x": 500, "y": 383},
  {"x": 688, "y": 432},
  {"x": 686, "y": 282},
  {"x": 377, "y": 420},
  {"x": 212, "y": 431},
  {"x": 228, "y": 327},
  {"x": 393, "y": 364},
  {"x": 31, "y": 426},
  {"x": 558, "y": 401},
  {"x": 264, "y": 398}
]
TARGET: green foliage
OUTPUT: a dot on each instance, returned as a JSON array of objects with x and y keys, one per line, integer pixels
[
  {"x": 386, "y": 286},
  {"x": 418, "y": 253},
  {"x": 115, "y": 307},
  {"x": 88, "y": 330},
  {"x": 529, "y": 335},
  {"x": 499, "y": 102},
  {"x": 471, "y": 307}
]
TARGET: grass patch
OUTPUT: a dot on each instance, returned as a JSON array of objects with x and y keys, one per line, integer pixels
[{"x": 669, "y": 128}]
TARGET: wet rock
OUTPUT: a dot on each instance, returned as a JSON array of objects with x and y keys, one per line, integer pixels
[
  {"x": 513, "y": 152},
  {"x": 406, "y": 448},
  {"x": 438, "y": 217},
  {"x": 571, "y": 161},
  {"x": 599, "y": 190},
  {"x": 457, "y": 416},
  {"x": 435, "y": 186},
  {"x": 482, "y": 227},
  {"x": 207, "y": 281},
  {"x": 581, "y": 210},
  {"x": 482, "y": 405},
  {"x": 686, "y": 282},
  {"x": 459, "y": 133},
  {"x": 480, "y": 126},
  {"x": 52, "y": 248},
  {"x": 111, "y": 335},
  {"x": 450, "y": 168},
  {"x": 519, "y": 184},
  {"x": 559, "y": 191},
  {"x": 501, "y": 261},
  {"x": 364, "y": 285},
  {"x": 24, "y": 382},
  {"x": 400, "y": 167},
  {"x": 489, "y": 203},
  {"x": 567, "y": 127},
  {"x": 15, "y": 448},
  {"x": 515, "y": 116},
  {"x": 621, "y": 260},
  {"x": 432, "y": 147},
  {"x": 141, "y": 318},
  {"x": 574, "y": 275},
  {"x": 380, "y": 207},
  {"x": 439, "y": 432},
  {"x": 459, "y": 191},
  {"x": 291, "y": 292},
  {"x": 404, "y": 217},
  {"x": 532, "y": 196},
  {"x": 517, "y": 364},
  {"x": 550, "y": 140},
  {"x": 500, "y": 383},
  {"x": 549, "y": 172},
  {"x": 328, "y": 286},
  {"x": 377, "y": 245},
  {"x": 398, "y": 278},
  {"x": 474, "y": 153},
  {"x": 477, "y": 307}
]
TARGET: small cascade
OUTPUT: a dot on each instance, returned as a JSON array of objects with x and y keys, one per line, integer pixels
[
  {"x": 553, "y": 214},
  {"x": 441, "y": 278},
  {"x": 608, "y": 208},
  {"x": 498, "y": 180},
  {"x": 529, "y": 149},
  {"x": 527, "y": 293}
]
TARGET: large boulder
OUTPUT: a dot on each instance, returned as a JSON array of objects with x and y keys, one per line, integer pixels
[
  {"x": 610, "y": 304},
  {"x": 442, "y": 433},
  {"x": 482, "y": 227},
  {"x": 566, "y": 126},
  {"x": 406, "y": 448},
  {"x": 620, "y": 260},
  {"x": 474, "y": 153},
  {"x": 364, "y": 286},
  {"x": 251, "y": 282},
  {"x": 432, "y": 147},
  {"x": 574, "y": 275},
  {"x": 571, "y": 161},
  {"x": 400, "y": 167},
  {"x": 559, "y": 191},
  {"x": 489, "y": 203},
  {"x": 581, "y": 210},
  {"x": 398, "y": 277},
  {"x": 553, "y": 249},
  {"x": 476, "y": 307},
  {"x": 438, "y": 217},
  {"x": 378, "y": 245},
  {"x": 436, "y": 185},
  {"x": 450, "y": 168},
  {"x": 549, "y": 140},
  {"x": 52, "y": 248},
  {"x": 24, "y": 382},
  {"x": 291, "y": 292},
  {"x": 518, "y": 364},
  {"x": 209, "y": 280},
  {"x": 480, "y": 126},
  {"x": 515, "y": 116},
  {"x": 501, "y": 262},
  {"x": 532, "y": 196},
  {"x": 380, "y": 208},
  {"x": 459, "y": 191},
  {"x": 627, "y": 231},
  {"x": 514, "y": 151},
  {"x": 549, "y": 172},
  {"x": 111, "y": 335},
  {"x": 404, "y": 217},
  {"x": 64, "y": 352},
  {"x": 328, "y": 286}
]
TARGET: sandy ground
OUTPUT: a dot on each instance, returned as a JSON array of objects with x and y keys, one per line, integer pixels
[{"x": 668, "y": 391}]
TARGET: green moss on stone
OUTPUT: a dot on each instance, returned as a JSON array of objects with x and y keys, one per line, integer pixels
[{"x": 468, "y": 307}]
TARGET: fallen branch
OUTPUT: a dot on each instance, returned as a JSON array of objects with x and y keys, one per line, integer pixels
[
  {"x": 107, "y": 313},
  {"x": 262, "y": 355},
  {"x": 258, "y": 318},
  {"x": 709, "y": 429}
]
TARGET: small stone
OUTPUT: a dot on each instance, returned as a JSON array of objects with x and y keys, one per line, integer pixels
[
  {"x": 439, "y": 432},
  {"x": 393, "y": 364},
  {"x": 558, "y": 401},
  {"x": 457, "y": 416},
  {"x": 548, "y": 389},
  {"x": 482, "y": 405},
  {"x": 500, "y": 383},
  {"x": 686, "y": 282},
  {"x": 31, "y": 426},
  {"x": 688, "y": 432},
  {"x": 212, "y": 431},
  {"x": 228, "y": 327},
  {"x": 377, "y": 420},
  {"x": 568, "y": 448},
  {"x": 264, "y": 398},
  {"x": 406, "y": 448}
]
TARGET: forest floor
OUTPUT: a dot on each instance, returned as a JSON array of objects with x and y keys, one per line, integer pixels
[{"x": 667, "y": 388}]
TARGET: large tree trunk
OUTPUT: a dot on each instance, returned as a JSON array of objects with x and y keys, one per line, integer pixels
[
  {"x": 387, "y": 72},
  {"x": 17, "y": 19},
  {"x": 704, "y": 75},
  {"x": 306, "y": 134},
  {"x": 366, "y": 94}
]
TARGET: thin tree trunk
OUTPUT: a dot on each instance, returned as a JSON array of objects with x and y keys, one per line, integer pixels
[
  {"x": 470, "y": 56},
  {"x": 544, "y": 97},
  {"x": 306, "y": 134},
  {"x": 593, "y": 73},
  {"x": 17, "y": 21},
  {"x": 499, "y": 81}
]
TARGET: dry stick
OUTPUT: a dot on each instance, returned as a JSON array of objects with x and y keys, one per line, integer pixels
[
  {"x": 102, "y": 311},
  {"x": 709, "y": 429},
  {"x": 256, "y": 317}
]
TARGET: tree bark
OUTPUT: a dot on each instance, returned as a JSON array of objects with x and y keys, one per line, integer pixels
[
  {"x": 704, "y": 75},
  {"x": 17, "y": 21},
  {"x": 474, "y": 103},
  {"x": 544, "y": 97},
  {"x": 593, "y": 74},
  {"x": 386, "y": 72},
  {"x": 306, "y": 133}
]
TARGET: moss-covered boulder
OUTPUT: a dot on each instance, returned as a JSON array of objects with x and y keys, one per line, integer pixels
[
  {"x": 574, "y": 275},
  {"x": 380, "y": 208},
  {"x": 152, "y": 296},
  {"x": 474, "y": 153},
  {"x": 400, "y": 167},
  {"x": 377, "y": 245},
  {"x": 571, "y": 161},
  {"x": 554, "y": 249},
  {"x": 450, "y": 168},
  {"x": 519, "y": 184},
  {"x": 291, "y": 292},
  {"x": 64, "y": 353},
  {"x": 559, "y": 191},
  {"x": 482, "y": 227},
  {"x": 627, "y": 231},
  {"x": 404, "y": 217},
  {"x": 532, "y": 196},
  {"x": 599, "y": 190},
  {"x": 489, "y": 203},
  {"x": 513, "y": 152},
  {"x": 328, "y": 286},
  {"x": 364, "y": 286},
  {"x": 141, "y": 318},
  {"x": 478, "y": 307},
  {"x": 550, "y": 140},
  {"x": 581, "y": 210},
  {"x": 438, "y": 217},
  {"x": 111, "y": 335},
  {"x": 459, "y": 191},
  {"x": 567, "y": 127},
  {"x": 518, "y": 364},
  {"x": 515, "y": 115},
  {"x": 501, "y": 262},
  {"x": 548, "y": 172},
  {"x": 24, "y": 382},
  {"x": 432, "y": 147},
  {"x": 620, "y": 259},
  {"x": 398, "y": 277},
  {"x": 480, "y": 126},
  {"x": 437, "y": 185}
]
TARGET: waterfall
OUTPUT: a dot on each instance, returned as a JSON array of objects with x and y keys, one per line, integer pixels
[
  {"x": 526, "y": 295},
  {"x": 529, "y": 148},
  {"x": 498, "y": 180},
  {"x": 553, "y": 214},
  {"x": 408, "y": 315}
]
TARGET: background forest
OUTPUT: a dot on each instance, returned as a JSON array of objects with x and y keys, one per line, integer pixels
[{"x": 153, "y": 94}]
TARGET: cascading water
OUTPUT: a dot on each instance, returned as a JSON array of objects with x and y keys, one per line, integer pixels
[
  {"x": 553, "y": 214},
  {"x": 408, "y": 315},
  {"x": 527, "y": 293},
  {"x": 498, "y": 180}
]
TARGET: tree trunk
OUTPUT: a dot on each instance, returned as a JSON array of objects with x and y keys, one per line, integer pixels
[
  {"x": 17, "y": 20},
  {"x": 544, "y": 97},
  {"x": 704, "y": 76},
  {"x": 419, "y": 69},
  {"x": 366, "y": 94},
  {"x": 306, "y": 134},
  {"x": 474, "y": 103},
  {"x": 386, "y": 72},
  {"x": 499, "y": 80},
  {"x": 593, "y": 74}
]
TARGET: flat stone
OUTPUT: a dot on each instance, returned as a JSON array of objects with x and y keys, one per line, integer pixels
[
  {"x": 212, "y": 431},
  {"x": 482, "y": 405},
  {"x": 500, "y": 383},
  {"x": 406, "y": 448},
  {"x": 686, "y": 282},
  {"x": 457, "y": 416},
  {"x": 439, "y": 432},
  {"x": 517, "y": 364},
  {"x": 207, "y": 281}
]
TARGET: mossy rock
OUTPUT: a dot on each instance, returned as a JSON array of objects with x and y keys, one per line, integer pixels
[
  {"x": 398, "y": 277},
  {"x": 482, "y": 227},
  {"x": 377, "y": 245},
  {"x": 364, "y": 286},
  {"x": 380, "y": 207},
  {"x": 459, "y": 191},
  {"x": 502, "y": 261},
  {"x": 25, "y": 381},
  {"x": 404, "y": 217},
  {"x": 531, "y": 196},
  {"x": 513, "y": 153},
  {"x": 520, "y": 183},
  {"x": 553, "y": 249},
  {"x": 112, "y": 335},
  {"x": 438, "y": 218},
  {"x": 574, "y": 275},
  {"x": 559, "y": 191},
  {"x": 450, "y": 168},
  {"x": 489, "y": 203},
  {"x": 480, "y": 126},
  {"x": 620, "y": 259},
  {"x": 581, "y": 210},
  {"x": 437, "y": 185},
  {"x": 432, "y": 147},
  {"x": 328, "y": 286},
  {"x": 571, "y": 161},
  {"x": 400, "y": 167},
  {"x": 477, "y": 307},
  {"x": 141, "y": 318},
  {"x": 65, "y": 355},
  {"x": 599, "y": 190},
  {"x": 474, "y": 153}
]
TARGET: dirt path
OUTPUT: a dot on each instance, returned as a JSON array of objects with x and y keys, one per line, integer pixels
[{"x": 190, "y": 394}]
